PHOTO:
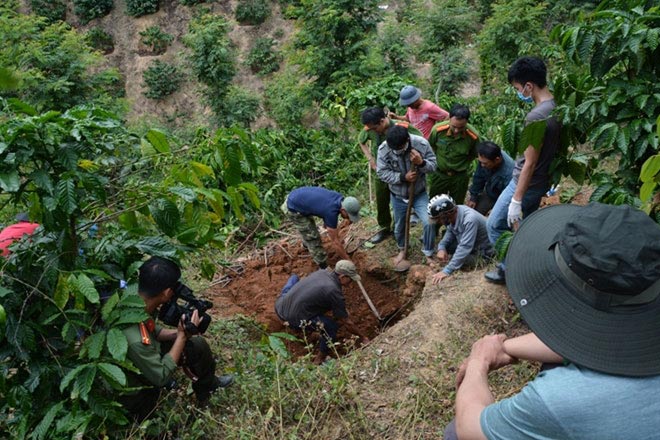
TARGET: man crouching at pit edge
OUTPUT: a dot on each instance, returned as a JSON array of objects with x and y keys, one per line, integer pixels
[{"x": 157, "y": 352}]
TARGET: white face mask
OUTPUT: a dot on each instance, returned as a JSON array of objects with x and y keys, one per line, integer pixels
[{"x": 399, "y": 152}]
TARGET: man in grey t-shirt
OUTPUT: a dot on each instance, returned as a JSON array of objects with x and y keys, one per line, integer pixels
[
  {"x": 305, "y": 305},
  {"x": 586, "y": 279},
  {"x": 531, "y": 179}
]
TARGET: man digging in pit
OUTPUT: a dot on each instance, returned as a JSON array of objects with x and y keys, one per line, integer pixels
[
  {"x": 304, "y": 306},
  {"x": 305, "y": 203}
]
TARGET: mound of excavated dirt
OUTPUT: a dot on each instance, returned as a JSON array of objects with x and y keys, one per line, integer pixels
[{"x": 252, "y": 285}]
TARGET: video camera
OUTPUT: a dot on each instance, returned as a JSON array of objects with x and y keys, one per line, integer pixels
[{"x": 172, "y": 312}]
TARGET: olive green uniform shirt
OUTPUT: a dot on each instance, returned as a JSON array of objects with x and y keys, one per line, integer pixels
[
  {"x": 377, "y": 139},
  {"x": 454, "y": 153},
  {"x": 156, "y": 369}
]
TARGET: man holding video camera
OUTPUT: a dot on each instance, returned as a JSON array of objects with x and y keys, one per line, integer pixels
[{"x": 157, "y": 352}]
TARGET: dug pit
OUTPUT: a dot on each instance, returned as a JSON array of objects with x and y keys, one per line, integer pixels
[{"x": 251, "y": 286}]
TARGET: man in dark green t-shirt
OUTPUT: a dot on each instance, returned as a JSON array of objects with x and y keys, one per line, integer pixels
[{"x": 371, "y": 136}]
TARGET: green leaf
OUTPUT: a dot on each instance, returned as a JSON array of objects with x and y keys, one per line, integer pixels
[
  {"x": 19, "y": 106},
  {"x": 158, "y": 140},
  {"x": 577, "y": 171},
  {"x": 186, "y": 194},
  {"x": 66, "y": 195},
  {"x": 109, "y": 306},
  {"x": 117, "y": 344},
  {"x": 646, "y": 191},
  {"x": 4, "y": 292},
  {"x": 130, "y": 317},
  {"x": 286, "y": 336},
  {"x": 83, "y": 384},
  {"x": 533, "y": 134},
  {"x": 62, "y": 291},
  {"x": 502, "y": 244},
  {"x": 201, "y": 169},
  {"x": 166, "y": 215},
  {"x": 41, "y": 430},
  {"x": 86, "y": 287},
  {"x": 278, "y": 347},
  {"x": 605, "y": 136},
  {"x": 650, "y": 169},
  {"x": 10, "y": 181},
  {"x": 113, "y": 373},
  {"x": 207, "y": 269},
  {"x": 70, "y": 376},
  {"x": 93, "y": 345},
  {"x": 128, "y": 220},
  {"x": 156, "y": 246},
  {"x": 600, "y": 193}
]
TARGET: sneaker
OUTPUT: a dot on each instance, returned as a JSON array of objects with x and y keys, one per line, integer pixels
[
  {"x": 223, "y": 381},
  {"x": 497, "y": 276}
]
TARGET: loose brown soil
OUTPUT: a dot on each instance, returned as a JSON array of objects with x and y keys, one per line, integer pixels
[{"x": 252, "y": 285}]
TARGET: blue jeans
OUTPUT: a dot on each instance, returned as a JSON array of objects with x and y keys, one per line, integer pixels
[
  {"x": 497, "y": 220},
  {"x": 420, "y": 206}
]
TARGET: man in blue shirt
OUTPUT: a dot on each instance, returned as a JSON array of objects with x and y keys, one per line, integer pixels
[
  {"x": 586, "y": 279},
  {"x": 305, "y": 203},
  {"x": 493, "y": 174}
]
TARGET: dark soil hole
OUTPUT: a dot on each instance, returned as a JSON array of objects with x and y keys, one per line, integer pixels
[{"x": 251, "y": 286}]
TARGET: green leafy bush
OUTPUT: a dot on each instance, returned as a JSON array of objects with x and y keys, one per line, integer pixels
[
  {"x": 212, "y": 57},
  {"x": 506, "y": 36},
  {"x": 157, "y": 40},
  {"x": 88, "y": 10},
  {"x": 262, "y": 58},
  {"x": 52, "y": 10},
  {"x": 393, "y": 44},
  {"x": 162, "y": 79},
  {"x": 241, "y": 107},
  {"x": 192, "y": 2},
  {"x": 138, "y": 8},
  {"x": 100, "y": 40},
  {"x": 332, "y": 41},
  {"x": 57, "y": 67},
  {"x": 451, "y": 68},
  {"x": 288, "y": 98},
  {"x": 447, "y": 23},
  {"x": 252, "y": 11}
]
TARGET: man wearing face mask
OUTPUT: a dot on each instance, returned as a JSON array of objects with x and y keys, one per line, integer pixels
[
  {"x": 466, "y": 238},
  {"x": 404, "y": 159},
  {"x": 531, "y": 178}
]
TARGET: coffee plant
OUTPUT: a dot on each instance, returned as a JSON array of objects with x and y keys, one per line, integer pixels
[
  {"x": 252, "y": 11},
  {"x": 262, "y": 58},
  {"x": 155, "y": 39},
  {"x": 161, "y": 79},
  {"x": 100, "y": 40},
  {"x": 52, "y": 10},
  {"x": 138, "y": 8},
  {"x": 88, "y": 10}
]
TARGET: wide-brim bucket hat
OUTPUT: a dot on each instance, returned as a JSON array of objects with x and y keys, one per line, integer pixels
[
  {"x": 408, "y": 95},
  {"x": 586, "y": 279}
]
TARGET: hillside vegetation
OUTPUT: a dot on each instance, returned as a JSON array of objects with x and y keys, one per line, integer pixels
[{"x": 176, "y": 128}]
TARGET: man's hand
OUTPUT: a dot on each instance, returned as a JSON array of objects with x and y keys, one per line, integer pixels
[
  {"x": 515, "y": 213},
  {"x": 416, "y": 157},
  {"x": 411, "y": 176},
  {"x": 438, "y": 277},
  {"x": 471, "y": 204},
  {"x": 442, "y": 255},
  {"x": 372, "y": 163}
]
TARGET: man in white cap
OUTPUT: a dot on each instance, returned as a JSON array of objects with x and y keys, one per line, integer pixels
[
  {"x": 305, "y": 304},
  {"x": 422, "y": 113},
  {"x": 586, "y": 279},
  {"x": 305, "y": 203}
]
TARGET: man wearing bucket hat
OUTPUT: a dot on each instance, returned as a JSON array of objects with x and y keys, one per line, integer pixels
[
  {"x": 421, "y": 113},
  {"x": 305, "y": 304},
  {"x": 587, "y": 282},
  {"x": 305, "y": 203}
]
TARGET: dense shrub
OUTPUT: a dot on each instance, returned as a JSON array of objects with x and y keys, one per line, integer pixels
[
  {"x": 100, "y": 40},
  {"x": 155, "y": 39},
  {"x": 52, "y": 10},
  {"x": 393, "y": 44},
  {"x": 138, "y": 8},
  {"x": 451, "y": 68},
  {"x": 241, "y": 107},
  {"x": 252, "y": 11},
  {"x": 288, "y": 98},
  {"x": 445, "y": 24},
  {"x": 212, "y": 56},
  {"x": 262, "y": 58},
  {"x": 161, "y": 79},
  {"x": 191, "y": 2},
  {"x": 88, "y": 10}
]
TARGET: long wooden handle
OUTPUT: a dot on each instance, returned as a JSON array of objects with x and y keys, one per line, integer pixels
[
  {"x": 411, "y": 197},
  {"x": 371, "y": 305}
]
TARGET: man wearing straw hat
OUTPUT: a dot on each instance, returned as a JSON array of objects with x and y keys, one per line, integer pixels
[
  {"x": 305, "y": 304},
  {"x": 587, "y": 281}
]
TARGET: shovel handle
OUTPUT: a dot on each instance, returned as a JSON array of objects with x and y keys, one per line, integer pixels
[{"x": 371, "y": 305}]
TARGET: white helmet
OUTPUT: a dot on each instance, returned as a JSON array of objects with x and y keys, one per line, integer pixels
[{"x": 441, "y": 204}]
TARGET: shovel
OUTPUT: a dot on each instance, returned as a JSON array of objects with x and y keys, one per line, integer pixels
[
  {"x": 403, "y": 264},
  {"x": 371, "y": 304}
]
